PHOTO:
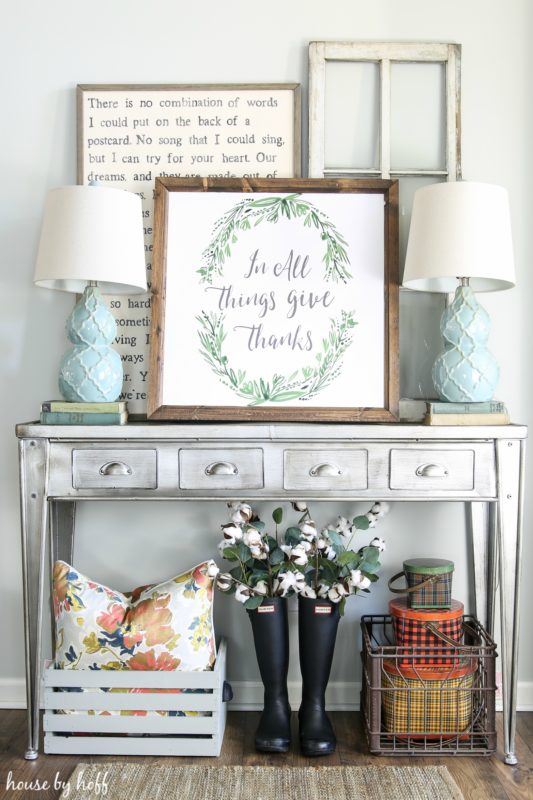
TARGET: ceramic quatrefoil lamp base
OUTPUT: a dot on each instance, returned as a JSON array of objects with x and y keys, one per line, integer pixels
[
  {"x": 465, "y": 371},
  {"x": 91, "y": 371}
]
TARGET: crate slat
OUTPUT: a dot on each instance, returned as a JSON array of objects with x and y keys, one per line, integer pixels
[
  {"x": 89, "y": 723},
  {"x": 129, "y": 679},
  {"x": 131, "y": 746},
  {"x": 136, "y": 701}
]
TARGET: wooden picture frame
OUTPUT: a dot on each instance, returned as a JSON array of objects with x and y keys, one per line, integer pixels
[{"x": 275, "y": 300}]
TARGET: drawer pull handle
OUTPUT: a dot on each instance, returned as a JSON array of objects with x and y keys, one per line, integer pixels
[
  {"x": 221, "y": 468},
  {"x": 432, "y": 471},
  {"x": 115, "y": 468},
  {"x": 325, "y": 471}
]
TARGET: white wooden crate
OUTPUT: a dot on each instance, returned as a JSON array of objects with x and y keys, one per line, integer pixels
[{"x": 141, "y": 735}]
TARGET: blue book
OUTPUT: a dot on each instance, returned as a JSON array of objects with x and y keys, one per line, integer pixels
[
  {"x": 443, "y": 407},
  {"x": 83, "y": 418},
  {"x": 84, "y": 408}
]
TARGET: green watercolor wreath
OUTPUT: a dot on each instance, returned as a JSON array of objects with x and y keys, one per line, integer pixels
[
  {"x": 252, "y": 212},
  {"x": 303, "y": 384},
  {"x": 306, "y": 382}
]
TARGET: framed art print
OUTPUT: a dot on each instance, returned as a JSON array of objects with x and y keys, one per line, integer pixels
[
  {"x": 275, "y": 299},
  {"x": 129, "y": 134}
]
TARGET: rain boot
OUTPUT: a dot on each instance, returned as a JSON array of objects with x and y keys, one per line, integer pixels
[
  {"x": 271, "y": 639},
  {"x": 317, "y": 625}
]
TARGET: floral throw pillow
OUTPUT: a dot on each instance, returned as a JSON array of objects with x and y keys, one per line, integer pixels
[{"x": 165, "y": 626}]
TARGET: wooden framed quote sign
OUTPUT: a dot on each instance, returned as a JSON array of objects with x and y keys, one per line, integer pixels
[
  {"x": 275, "y": 300},
  {"x": 130, "y": 134}
]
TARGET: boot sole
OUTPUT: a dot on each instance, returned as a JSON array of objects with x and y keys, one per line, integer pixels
[
  {"x": 311, "y": 752},
  {"x": 274, "y": 748}
]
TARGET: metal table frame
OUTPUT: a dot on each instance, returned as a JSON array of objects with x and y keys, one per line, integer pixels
[{"x": 494, "y": 463}]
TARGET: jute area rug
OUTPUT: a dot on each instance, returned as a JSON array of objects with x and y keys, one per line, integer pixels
[{"x": 118, "y": 781}]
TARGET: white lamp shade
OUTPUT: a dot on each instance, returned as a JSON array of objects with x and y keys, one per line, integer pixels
[
  {"x": 460, "y": 230},
  {"x": 92, "y": 233}
]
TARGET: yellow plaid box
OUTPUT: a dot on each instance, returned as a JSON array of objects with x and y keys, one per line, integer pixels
[{"x": 413, "y": 705}]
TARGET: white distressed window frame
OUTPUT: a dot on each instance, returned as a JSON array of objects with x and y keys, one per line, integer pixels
[{"x": 385, "y": 54}]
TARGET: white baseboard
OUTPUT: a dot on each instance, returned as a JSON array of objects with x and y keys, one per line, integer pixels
[
  {"x": 12, "y": 693},
  {"x": 248, "y": 695},
  {"x": 340, "y": 696}
]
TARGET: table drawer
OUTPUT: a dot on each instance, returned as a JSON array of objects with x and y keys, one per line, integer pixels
[
  {"x": 427, "y": 470},
  {"x": 340, "y": 470},
  {"x": 114, "y": 469},
  {"x": 224, "y": 468}
]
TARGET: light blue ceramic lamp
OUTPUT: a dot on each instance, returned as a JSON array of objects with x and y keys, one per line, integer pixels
[
  {"x": 91, "y": 242},
  {"x": 460, "y": 241}
]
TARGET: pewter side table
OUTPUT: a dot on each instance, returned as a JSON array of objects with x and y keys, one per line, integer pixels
[{"x": 482, "y": 466}]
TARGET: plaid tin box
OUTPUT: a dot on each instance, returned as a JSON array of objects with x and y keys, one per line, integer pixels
[
  {"x": 436, "y": 701},
  {"x": 429, "y": 582},
  {"x": 423, "y": 629}
]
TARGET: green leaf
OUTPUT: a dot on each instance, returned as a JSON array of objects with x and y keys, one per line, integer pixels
[
  {"x": 348, "y": 559},
  {"x": 361, "y": 523},
  {"x": 336, "y": 540},
  {"x": 267, "y": 201},
  {"x": 371, "y": 554},
  {"x": 258, "y": 524},
  {"x": 236, "y": 572},
  {"x": 282, "y": 397},
  {"x": 292, "y": 536},
  {"x": 369, "y": 569},
  {"x": 243, "y": 552},
  {"x": 254, "y": 602},
  {"x": 259, "y": 574},
  {"x": 328, "y": 570},
  {"x": 231, "y": 554},
  {"x": 277, "y": 556},
  {"x": 342, "y": 606},
  {"x": 277, "y": 515}
]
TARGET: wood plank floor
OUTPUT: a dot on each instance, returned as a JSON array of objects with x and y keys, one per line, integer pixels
[{"x": 480, "y": 778}]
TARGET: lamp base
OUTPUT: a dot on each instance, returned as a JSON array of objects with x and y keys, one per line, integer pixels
[
  {"x": 91, "y": 371},
  {"x": 465, "y": 372}
]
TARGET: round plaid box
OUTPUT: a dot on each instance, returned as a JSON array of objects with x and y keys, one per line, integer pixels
[
  {"x": 433, "y": 702},
  {"x": 415, "y": 632}
]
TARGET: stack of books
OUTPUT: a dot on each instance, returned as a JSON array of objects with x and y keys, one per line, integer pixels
[
  {"x": 491, "y": 412},
  {"x": 61, "y": 412}
]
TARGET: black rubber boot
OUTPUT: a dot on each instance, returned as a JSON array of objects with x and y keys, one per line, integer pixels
[
  {"x": 317, "y": 624},
  {"x": 271, "y": 638}
]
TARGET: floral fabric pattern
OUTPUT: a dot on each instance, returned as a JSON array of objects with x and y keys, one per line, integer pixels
[{"x": 166, "y": 626}]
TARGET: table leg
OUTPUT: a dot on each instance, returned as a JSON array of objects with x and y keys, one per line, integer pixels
[
  {"x": 510, "y": 471},
  {"x": 482, "y": 523},
  {"x": 62, "y": 519},
  {"x": 33, "y": 455}
]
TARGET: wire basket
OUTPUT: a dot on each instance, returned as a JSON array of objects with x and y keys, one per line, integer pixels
[{"x": 410, "y": 708}]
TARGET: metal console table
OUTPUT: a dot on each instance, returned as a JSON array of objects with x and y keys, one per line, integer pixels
[{"x": 482, "y": 466}]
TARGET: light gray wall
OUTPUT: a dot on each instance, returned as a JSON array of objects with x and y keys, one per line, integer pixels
[{"x": 48, "y": 48}]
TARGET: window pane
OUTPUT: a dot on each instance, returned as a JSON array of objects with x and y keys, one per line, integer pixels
[
  {"x": 408, "y": 187},
  {"x": 418, "y": 116},
  {"x": 420, "y": 312},
  {"x": 420, "y": 341},
  {"x": 352, "y": 115}
]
